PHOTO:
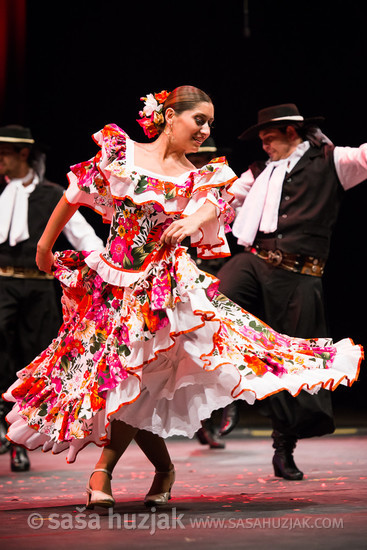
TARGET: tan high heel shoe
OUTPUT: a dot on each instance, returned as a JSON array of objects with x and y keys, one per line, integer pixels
[
  {"x": 162, "y": 480},
  {"x": 99, "y": 498}
]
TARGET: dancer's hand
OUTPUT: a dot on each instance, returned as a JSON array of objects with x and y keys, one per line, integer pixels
[
  {"x": 185, "y": 227},
  {"x": 179, "y": 230},
  {"x": 44, "y": 259}
]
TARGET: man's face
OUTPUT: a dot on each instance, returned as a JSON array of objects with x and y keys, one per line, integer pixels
[
  {"x": 12, "y": 161},
  {"x": 276, "y": 144}
]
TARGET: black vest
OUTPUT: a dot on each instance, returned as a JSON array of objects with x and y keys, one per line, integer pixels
[
  {"x": 41, "y": 203},
  {"x": 309, "y": 206}
]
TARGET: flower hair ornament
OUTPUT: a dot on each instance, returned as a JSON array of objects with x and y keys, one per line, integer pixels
[{"x": 151, "y": 115}]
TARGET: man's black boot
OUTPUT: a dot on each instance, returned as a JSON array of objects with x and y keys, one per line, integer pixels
[
  {"x": 229, "y": 419},
  {"x": 4, "y": 443},
  {"x": 283, "y": 461},
  {"x": 206, "y": 436},
  {"x": 19, "y": 461}
]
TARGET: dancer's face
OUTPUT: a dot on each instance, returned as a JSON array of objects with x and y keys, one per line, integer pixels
[{"x": 192, "y": 127}]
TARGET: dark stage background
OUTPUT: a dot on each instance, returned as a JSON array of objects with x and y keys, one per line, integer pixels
[{"x": 69, "y": 67}]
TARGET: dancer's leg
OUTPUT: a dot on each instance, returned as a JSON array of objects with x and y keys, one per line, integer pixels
[
  {"x": 121, "y": 436},
  {"x": 154, "y": 448}
]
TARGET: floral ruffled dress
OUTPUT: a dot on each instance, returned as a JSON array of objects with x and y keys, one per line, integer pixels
[{"x": 146, "y": 336}]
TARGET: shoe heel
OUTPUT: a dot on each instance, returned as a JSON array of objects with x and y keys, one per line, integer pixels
[
  {"x": 154, "y": 498},
  {"x": 96, "y": 497},
  {"x": 89, "y": 505}
]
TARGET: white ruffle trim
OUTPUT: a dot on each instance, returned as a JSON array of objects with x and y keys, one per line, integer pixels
[{"x": 112, "y": 275}]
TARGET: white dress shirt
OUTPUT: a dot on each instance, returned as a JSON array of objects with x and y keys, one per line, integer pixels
[
  {"x": 351, "y": 168},
  {"x": 14, "y": 217}
]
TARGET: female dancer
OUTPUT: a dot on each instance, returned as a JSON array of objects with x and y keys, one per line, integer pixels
[{"x": 148, "y": 347}]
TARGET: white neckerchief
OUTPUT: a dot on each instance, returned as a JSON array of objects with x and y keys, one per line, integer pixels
[
  {"x": 14, "y": 209},
  {"x": 260, "y": 209}
]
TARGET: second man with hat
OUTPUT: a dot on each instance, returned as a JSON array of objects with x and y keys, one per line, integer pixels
[{"x": 287, "y": 208}]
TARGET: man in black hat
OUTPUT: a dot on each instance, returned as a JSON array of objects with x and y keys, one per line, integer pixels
[
  {"x": 29, "y": 311},
  {"x": 286, "y": 211}
]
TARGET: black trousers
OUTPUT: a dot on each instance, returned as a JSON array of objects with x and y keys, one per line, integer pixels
[
  {"x": 30, "y": 318},
  {"x": 291, "y": 304}
]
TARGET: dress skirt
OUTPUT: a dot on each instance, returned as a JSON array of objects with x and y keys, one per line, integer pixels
[{"x": 160, "y": 354}]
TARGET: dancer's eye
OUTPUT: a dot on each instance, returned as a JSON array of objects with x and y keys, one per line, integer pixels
[{"x": 200, "y": 121}]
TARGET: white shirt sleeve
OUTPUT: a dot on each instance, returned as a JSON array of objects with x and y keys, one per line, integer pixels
[
  {"x": 240, "y": 188},
  {"x": 82, "y": 235},
  {"x": 351, "y": 165}
]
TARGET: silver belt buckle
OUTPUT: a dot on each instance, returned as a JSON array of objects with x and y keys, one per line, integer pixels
[{"x": 275, "y": 257}]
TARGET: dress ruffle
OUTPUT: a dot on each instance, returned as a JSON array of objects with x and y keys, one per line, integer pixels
[
  {"x": 110, "y": 176},
  {"x": 161, "y": 355}
]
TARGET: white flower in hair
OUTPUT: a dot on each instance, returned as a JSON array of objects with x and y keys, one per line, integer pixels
[{"x": 151, "y": 105}]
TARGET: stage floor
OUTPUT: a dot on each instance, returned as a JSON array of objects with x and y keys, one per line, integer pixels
[{"x": 223, "y": 499}]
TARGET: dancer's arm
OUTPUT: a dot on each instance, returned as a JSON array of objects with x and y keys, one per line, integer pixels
[
  {"x": 185, "y": 227},
  {"x": 60, "y": 216}
]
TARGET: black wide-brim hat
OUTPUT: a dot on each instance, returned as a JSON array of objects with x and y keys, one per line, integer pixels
[
  {"x": 278, "y": 115},
  {"x": 15, "y": 134}
]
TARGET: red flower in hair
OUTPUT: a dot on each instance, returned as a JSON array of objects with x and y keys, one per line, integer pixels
[
  {"x": 151, "y": 115},
  {"x": 148, "y": 126},
  {"x": 162, "y": 96}
]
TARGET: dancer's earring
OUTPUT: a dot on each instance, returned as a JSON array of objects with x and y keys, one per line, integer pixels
[{"x": 168, "y": 129}]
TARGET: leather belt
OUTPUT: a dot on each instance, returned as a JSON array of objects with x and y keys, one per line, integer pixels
[
  {"x": 297, "y": 263},
  {"x": 23, "y": 273}
]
